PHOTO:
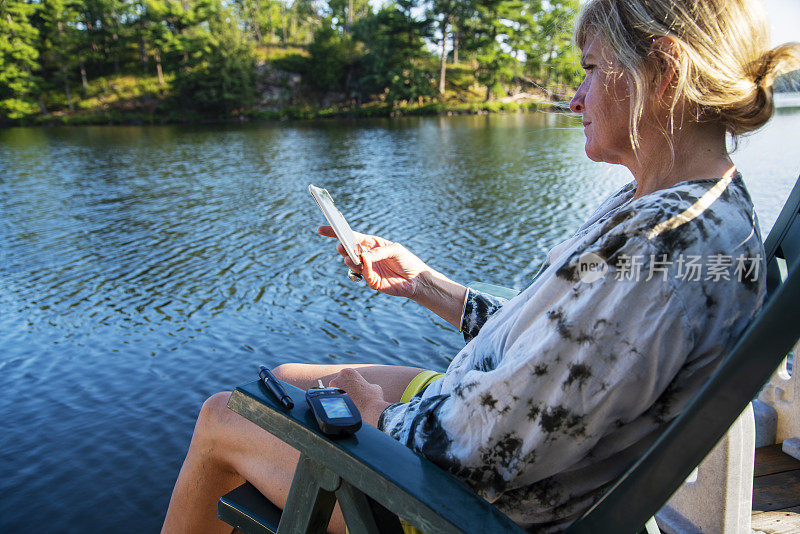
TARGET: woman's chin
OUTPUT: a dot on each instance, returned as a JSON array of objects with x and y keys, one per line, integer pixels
[
  {"x": 603, "y": 156},
  {"x": 593, "y": 154}
]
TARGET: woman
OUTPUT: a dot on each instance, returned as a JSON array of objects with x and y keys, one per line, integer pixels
[{"x": 561, "y": 388}]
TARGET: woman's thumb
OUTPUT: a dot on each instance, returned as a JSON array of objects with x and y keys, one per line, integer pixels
[{"x": 366, "y": 268}]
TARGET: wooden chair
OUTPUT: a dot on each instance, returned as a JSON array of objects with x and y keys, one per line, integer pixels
[{"x": 376, "y": 479}]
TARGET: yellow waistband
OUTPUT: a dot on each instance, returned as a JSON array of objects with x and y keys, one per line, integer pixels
[{"x": 419, "y": 382}]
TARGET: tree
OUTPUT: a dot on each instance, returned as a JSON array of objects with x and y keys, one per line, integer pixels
[
  {"x": 549, "y": 49},
  {"x": 348, "y": 12},
  {"x": 449, "y": 14},
  {"x": 490, "y": 31},
  {"x": 222, "y": 78},
  {"x": 333, "y": 57},
  {"x": 395, "y": 61},
  {"x": 105, "y": 24},
  {"x": 18, "y": 59},
  {"x": 514, "y": 37},
  {"x": 62, "y": 46}
]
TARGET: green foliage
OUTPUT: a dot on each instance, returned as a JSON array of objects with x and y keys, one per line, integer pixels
[
  {"x": 259, "y": 17},
  {"x": 343, "y": 16},
  {"x": 18, "y": 59},
  {"x": 492, "y": 38},
  {"x": 298, "y": 63},
  {"x": 550, "y": 50},
  {"x": 332, "y": 58},
  {"x": 394, "y": 64},
  {"x": 273, "y": 21},
  {"x": 121, "y": 90},
  {"x": 222, "y": 78},
  {"x": 515, "y": 40}
]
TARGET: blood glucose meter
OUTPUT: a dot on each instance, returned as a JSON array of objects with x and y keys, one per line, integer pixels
[{"x": 334, "y": 410}]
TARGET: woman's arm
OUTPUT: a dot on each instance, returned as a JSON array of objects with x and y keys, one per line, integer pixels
[
  {"x": 392, "y": 269},
  {"x": 441, "y": 295}
]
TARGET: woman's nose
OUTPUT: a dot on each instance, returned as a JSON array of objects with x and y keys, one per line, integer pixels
[{"x": 576, "y": 104}]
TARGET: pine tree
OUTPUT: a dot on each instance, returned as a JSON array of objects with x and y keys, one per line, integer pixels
[
  {"x": 18, "y": 60},
  {"x": 395, "y": 63},
  {"x": 61, "y": 44}
]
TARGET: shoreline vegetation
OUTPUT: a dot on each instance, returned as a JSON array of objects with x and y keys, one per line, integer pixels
[
  {"x": 74, "y": 62},
  {"x": 133, "y": 100},
  {"x": 110, "y": 118},
  {"x": 187, "y": 61}
]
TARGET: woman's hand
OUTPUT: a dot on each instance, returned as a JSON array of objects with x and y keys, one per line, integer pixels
[
  {"x": 367, "y": 397},
  {"x": 390, "y": 268},
  {"x": 386, "y": 267}
]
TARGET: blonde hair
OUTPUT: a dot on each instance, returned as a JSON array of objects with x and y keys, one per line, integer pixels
[{"x": 723, "y": 63}]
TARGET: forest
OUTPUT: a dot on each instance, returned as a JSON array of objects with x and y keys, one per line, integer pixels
[{"x": 107, "y": 60}]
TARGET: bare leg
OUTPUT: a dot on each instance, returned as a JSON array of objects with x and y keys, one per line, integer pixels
[
  {"x": 227, "y": 449},
  {"x": 392, "y": 378}
]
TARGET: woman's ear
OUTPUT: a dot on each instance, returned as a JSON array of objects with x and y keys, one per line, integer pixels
[{"x": 664, "y": 54}]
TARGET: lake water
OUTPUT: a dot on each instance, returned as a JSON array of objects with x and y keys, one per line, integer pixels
[{"x": 144, "y": 268}]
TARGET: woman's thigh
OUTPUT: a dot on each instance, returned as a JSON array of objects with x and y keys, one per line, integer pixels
[{"x": 392, "y": 378}]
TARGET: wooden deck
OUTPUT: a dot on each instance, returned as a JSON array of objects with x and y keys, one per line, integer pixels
[{"x": 776, "y": 492}]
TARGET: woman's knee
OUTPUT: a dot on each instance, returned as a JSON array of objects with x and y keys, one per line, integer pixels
[
  {"x": 284, "y": 371},
  {"x": 213, "y": 415},
  {"x": 216, "y": 404},
  {"x": 296, "y": 374}
]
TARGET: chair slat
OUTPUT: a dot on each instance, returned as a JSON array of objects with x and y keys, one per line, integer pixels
[
  {"x": 788, "y": 213},
  {"x": 790, "y": 244},
  {"x": 246, "y": 509}
]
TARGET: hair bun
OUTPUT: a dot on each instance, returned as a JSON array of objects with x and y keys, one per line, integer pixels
[
  {"x": 754, "y": 110},
  {"x": 761, "y": 74}
]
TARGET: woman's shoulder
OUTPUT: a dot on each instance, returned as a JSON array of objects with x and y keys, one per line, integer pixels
[{"x": 696, "y": 213}]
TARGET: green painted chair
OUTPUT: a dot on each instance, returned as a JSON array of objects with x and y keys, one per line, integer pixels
[{"x": 375, "y": 479}]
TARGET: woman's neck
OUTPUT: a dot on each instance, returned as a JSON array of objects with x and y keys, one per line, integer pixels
[{"x": 699, "y": 153}]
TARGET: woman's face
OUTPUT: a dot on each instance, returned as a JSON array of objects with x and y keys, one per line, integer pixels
[{"x": 603, "y": 102}]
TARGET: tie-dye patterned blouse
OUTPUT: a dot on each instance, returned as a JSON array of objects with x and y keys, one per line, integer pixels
[{"x": 559, "y": 389}]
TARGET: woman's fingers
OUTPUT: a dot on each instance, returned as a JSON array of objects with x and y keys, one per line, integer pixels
[
  {"x": 384, "y": 264},
  {"x": 352, "y": 266},
  {"x": 376, "y": 255},
  {"x": 372, "y": 278},
  {"x": 326, "y": 230},
  {"x": 394, "y": 251}
]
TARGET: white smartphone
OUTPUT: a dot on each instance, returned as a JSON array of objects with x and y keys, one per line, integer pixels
[{"x": 339, "y": 224}]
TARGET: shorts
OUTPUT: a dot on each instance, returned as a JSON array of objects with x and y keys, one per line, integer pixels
[{"x": 417, "y": 386}]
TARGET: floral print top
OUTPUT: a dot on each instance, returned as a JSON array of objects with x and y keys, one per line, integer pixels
[{"x": 561, "y": 388}]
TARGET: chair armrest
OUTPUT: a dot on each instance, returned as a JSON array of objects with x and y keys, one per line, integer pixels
[
  {"x": 385, "y": 470},
  {"x": 494, "y": 290}
]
